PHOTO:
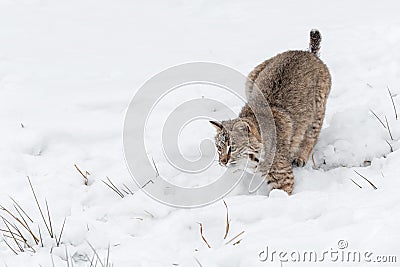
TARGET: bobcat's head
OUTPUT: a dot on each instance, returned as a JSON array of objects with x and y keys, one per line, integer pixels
[{"x": 237, "y": 141}]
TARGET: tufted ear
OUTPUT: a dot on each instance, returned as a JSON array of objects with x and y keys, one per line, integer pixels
[{"x": 217, "y": 125}]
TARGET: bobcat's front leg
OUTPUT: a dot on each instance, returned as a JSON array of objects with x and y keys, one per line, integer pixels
[{"x": 280, "y": 175}]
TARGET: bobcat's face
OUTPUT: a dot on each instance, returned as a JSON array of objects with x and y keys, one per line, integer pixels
[{"x": 237, "y": 142}]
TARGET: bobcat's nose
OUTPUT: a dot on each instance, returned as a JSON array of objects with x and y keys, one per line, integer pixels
[{"x": 224, "y": 160}]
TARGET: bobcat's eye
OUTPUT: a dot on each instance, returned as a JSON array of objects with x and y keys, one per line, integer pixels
[
  {"x": 233, "y": 148},
  {"x": 219, "y": 147}
]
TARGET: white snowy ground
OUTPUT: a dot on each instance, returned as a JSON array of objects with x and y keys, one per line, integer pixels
[{"x": 68, "y": 70}]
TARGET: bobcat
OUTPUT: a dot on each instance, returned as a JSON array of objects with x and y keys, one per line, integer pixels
[{"x": 296, "y": 85}]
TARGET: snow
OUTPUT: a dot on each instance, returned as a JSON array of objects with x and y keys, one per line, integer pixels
[{"x": 68, "y": 70}]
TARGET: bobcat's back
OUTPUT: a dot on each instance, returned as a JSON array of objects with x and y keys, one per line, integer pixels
[{"x": 295, "y": 81}]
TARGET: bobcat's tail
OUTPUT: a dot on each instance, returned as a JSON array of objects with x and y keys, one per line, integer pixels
[{"x": 315, "y": 41}]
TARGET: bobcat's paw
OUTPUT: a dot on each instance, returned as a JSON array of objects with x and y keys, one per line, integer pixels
[{"x": 298, "y": 162}]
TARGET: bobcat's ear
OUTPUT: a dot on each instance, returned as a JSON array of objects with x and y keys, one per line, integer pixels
[
  {"x": 217, "y": 125},
  {"x": 242, "y": 126}
]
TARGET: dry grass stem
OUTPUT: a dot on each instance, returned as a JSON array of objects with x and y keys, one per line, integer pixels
[
  {"x": 16, "y": 203},
  {"x": 98, "y": 259},
  {"x": 49, "y": 218},
  {"x": 23, "y": 223},
  {"x": 84, "y": 175},
  {"x": 355, "y": 183},
  {"x": 40, "y": 236},
  {"x": 237, "y": 242},
  {"x": 394, "y": 106},
  {"x": 366, "y": 180},
  {"x": 227, "y": 221},
  {"x": 236, "y": 236},
  {"x": 390, "y": 133},
  {"x": 111, "y": 185},
  {"x": 198, "y": 262},
  {"x": 202, "y": 236},
  {"x": 8, "y": 245},
  {"x": 120, "y": 192},
  {"x": 58, "y": 241},
  {"x": 40, "y": 209},
  {"x": 129, "y": 190},
  {"x": 18, "y": 226},
  {"x": 376, "y": 116},
  {"x": 391, "y": 148}
]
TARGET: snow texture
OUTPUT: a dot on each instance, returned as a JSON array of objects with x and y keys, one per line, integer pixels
[{"x": 68, "y": 70}]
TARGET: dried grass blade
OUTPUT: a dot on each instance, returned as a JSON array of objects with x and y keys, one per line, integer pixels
[
  {"x": 355, "y": 183},
  {"x": 37, "y": 203},
  {"x": 85, "y": 177},
  {"x": 391, "y": 148},
  {"x": 97, "y": 255},
  {"x": 236, "y": 236},
  {"x": 61, "y": 232},
  {"x": 376, "y": 116},
  {"x": 367, "y": 180},
  {"x": 394, "y": 106},
  {"x": 227, "y": 221},
  {"x": 202, "y": 236},
  {"x": 390, "y": 133},
  {"x": 8, "y": 245},
  {"x": 12, "y": 234},
  {"x": 49, "y": 217},
  {"x": 112, "y": 188},
  {"x": 16, "y": 203}
]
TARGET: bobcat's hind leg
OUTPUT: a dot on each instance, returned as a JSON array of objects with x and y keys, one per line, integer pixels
[
  {"x": 309, "y": 141},
  {"x": 296, "y": 146}
]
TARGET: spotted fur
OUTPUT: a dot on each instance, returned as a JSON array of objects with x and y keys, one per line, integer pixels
[{"x": 296, "y": 85}]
